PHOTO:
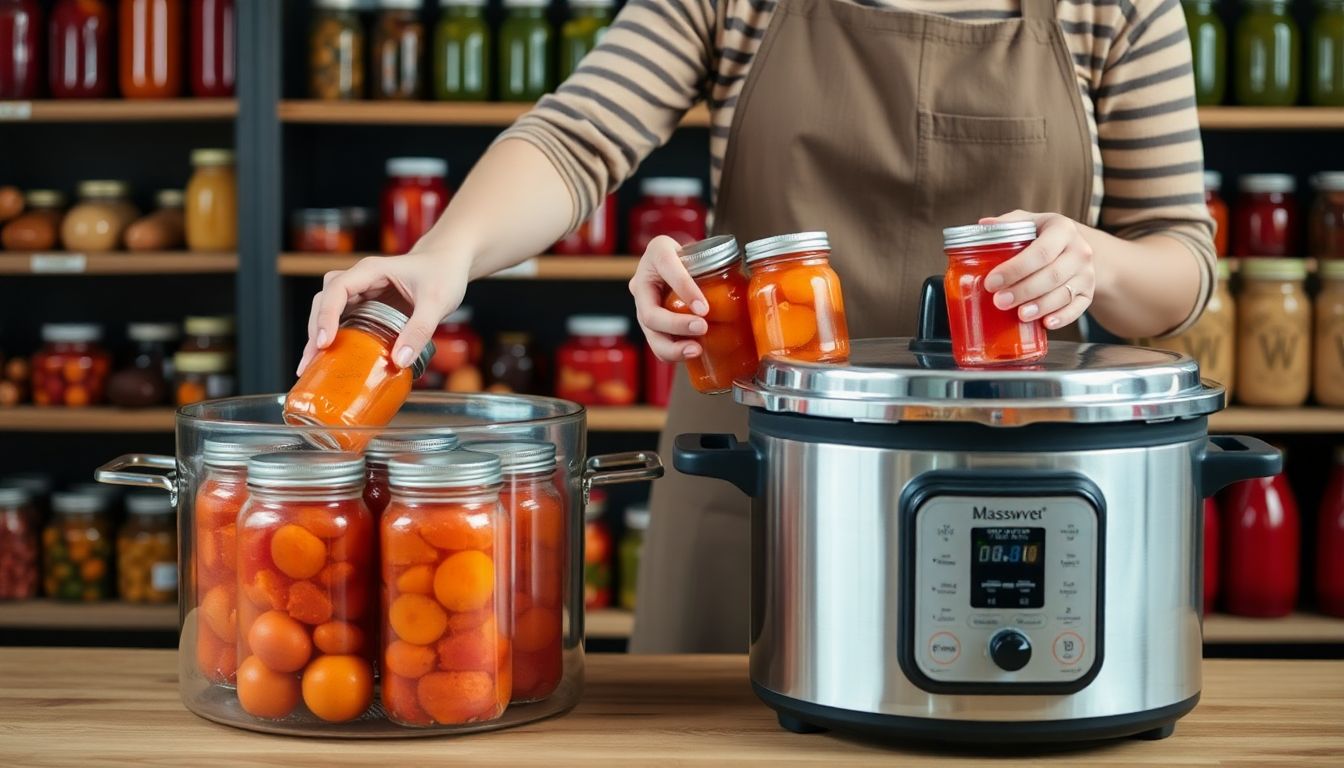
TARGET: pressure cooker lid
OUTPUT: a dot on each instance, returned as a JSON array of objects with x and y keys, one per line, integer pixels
[{"x": 903, "y": 379}]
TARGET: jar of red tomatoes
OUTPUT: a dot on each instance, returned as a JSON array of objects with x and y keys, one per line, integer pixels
[
  {"x": 1330, "y": 542},
  {"x": 381, "y": 450},
  {"x": 669, "y": 206},
  {"x": 728, "y": 347},
  {"x": 1266, "y": 221},
  {"x": 151, "y": 48},
  {"x": 71, "y": 368},
  {"x": 595, "y": 235},
  {"x": 1213, "y": 183},
  {"x": 598, "y": 549},
  {"x": 307, "y": 589},
  {"x": 18, "y": 544},
  {"x": 413, "y": 199},
  {"x": 20, "y": 51},
  {"x": 456, "y": 364},
  {"x": 597, "y": 365},
  {"x": 80, "y": 53},
  {"x": 983, "y": 334},
  {"x": 1261, "y": 548},
  {"x": 446, "y": 622},
  {"x": 1325, "y": 228},
  {"x": 796, "y": 306},
  {"x": 214, "y": 65}
]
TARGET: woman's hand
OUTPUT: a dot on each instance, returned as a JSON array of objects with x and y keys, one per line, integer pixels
[
  {"x": 670, "y": 334},
  {"x": 1054, "y": 279},
  {"x": 431, "y": 285}
]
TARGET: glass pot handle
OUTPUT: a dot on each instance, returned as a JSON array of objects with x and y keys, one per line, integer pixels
[
  {"x": 111, "y": 473},
  {"x": 616, "y": 468}
]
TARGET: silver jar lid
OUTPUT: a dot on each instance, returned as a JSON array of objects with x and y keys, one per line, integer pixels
[
  {"x": 709, "y": 255},
  {"x": 518, "y": 457},
  {"x": 235, "y": 451},
  {"x": 14, "y": 496},
  {"x": 885, "y": 381},
  {"x": 779, "y": 245},
  {"x": 454, "y": 469},
  {"x": 380, "y": 449},
  {"x": 306, "y": 470},
  {"x": 989, "y": 234},
  {"x": 394, "y": 320}
]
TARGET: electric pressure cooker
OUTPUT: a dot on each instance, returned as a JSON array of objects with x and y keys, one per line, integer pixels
[{"x": 998, "y": 555}]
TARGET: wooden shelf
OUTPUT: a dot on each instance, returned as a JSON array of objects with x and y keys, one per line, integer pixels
[
  {"x": 609, "y": 624},
  {"x": 1277, "y": 420},
  {"x": 633, "y": 418},
  {"x": 117, "y": 110},
  {"x": 155, "y": 263},
  {"x": 490, "y": 114},
  {"x": 1221, "y": 629},
  {"x": 31, "y": 418},
  {"x": 1271, "y": 118},
  {"x": 92, "y": 617},
  {"x": 540, "y": 268}
]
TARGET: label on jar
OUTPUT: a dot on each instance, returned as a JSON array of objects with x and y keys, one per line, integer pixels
[
  {"x": 1274, "y": 358},
  {"x": 163, "y": 577},
  {"x": 1329, "y": 364},
  {"x": 16, "y": 110},
  {"x": 525, "y": 270},
  {"x": 57, "y": 263}
]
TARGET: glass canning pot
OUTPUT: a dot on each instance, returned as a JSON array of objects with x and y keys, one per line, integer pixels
[{"x": 214, "y": 440}]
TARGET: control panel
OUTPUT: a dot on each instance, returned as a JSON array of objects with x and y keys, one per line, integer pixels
[{"x": 1004, "y": 589}]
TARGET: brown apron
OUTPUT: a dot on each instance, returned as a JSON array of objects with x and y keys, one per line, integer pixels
[{"x": 881, "y": 127}]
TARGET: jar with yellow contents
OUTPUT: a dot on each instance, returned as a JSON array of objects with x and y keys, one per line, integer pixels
[
  {"x": 77, "y": 548},
  {"x": 1329, "y": 342},
  {"x": 1212, "y": 341},
  {"x": 147, "y": 550},
  {"x": 1273, "y": 333}
]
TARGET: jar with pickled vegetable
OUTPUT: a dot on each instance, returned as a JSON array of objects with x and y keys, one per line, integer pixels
[
  {"x": 1273, "y": 333},
  {"x": 595, "y": 235},
  {"x": 147, "y": 550},
  {"x": 534, "y": 506},
  {"x": 456, "y": 363},
  {"x": 1208, "y": 49},
  {"x": 20, "y": 52},
  {"x": 202, "y": 376},
  {"x": 336, "y": 51},
  {"x": 151, "y": 48},
  {"x": 1213, "y": 182},
  {"x": 38, "y": 485},
  {"x": 38, "y": 227},
  {"x": 1266, "y": 216},
  {"x": 512, "y": 368},
  {"x": 80, "y": 50},
  {"x": 525, "y": 51},
  {"x": 446, "y": 618},
  {"x": 668, "y": 206},
  {"x": 212, "y": 202},
  {"x": 1326, "y": 58},
  {"x": 632, "y": 548},
  {"x": 77, "y": 548},
  {"x": 1268, "y": 50},
  {"x": 597, "y": 553},
  {"x": 307, "y": 589},
  {"x": 462, "y": 56},
  {"x": 18, "y": 544},
  {"x": 100, "y": 219},
  {"x": 1325, "y": 225},
  {"x": 381, "y": 450},
  {"x": 71, "y": 368},
  {"x": 322, "y": 230},
  {"x": 213, "y": 49},
  {"x": 162, "y": 230},
  {"x": 588, "y": 21},
  {"x": 597, "y": 365},
  {"x": 144, "y": 379},
  {"x": 1212, "y": 340},
  {"x": 728, "y": 347},
  {"x": 794, "y": 298},
  {"x": 355, "y": 382},
  {"x": 398, "y": 50},
  {"x": 1329, "y": 344},
  {"x": 413, "y": 199}
]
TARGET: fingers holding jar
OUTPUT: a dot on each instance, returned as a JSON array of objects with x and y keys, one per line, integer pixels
[
  {"x": 669, "y": 305},
  {"x": 1052, "y": 280}
]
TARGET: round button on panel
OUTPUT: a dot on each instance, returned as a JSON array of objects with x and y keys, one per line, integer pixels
[
  {"x": 1068, "y": 648},
  {"x": 1010, "y": 649},
  {"x": 944, "y": 648}
]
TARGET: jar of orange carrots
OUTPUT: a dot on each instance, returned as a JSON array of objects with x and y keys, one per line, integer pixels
[
  {"x": 797, "y": 309},
  {"x": 446, "y": 619},
  {"x": 354, "y": 381},
  {"x": 728, "y": 350},
  {"x": 307, "y": 586}
]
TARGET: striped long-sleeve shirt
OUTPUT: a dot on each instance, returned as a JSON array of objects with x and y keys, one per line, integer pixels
[{"x": 660, "y": 57}]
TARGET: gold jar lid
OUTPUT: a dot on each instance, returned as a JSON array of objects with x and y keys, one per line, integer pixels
[
  {"x": 211, "y": 157},
  {"x": 202, "y": 362},
  {"x": 103, "y": 188},
  {"x": 169, "y": 198},
  {"x": 44, "y": 198},
  {"x": 1274, "y": 268},
  {"x": 220, "y": 325}
]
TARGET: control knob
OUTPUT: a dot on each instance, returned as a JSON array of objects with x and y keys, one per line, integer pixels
[{"x": 1010, "y": 649}]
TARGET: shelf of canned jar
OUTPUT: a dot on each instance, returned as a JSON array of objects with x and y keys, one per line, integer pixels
[
  {"x": 1271, "y": 118},
  {"x": 480, "y": 113},
  {"x": 116, "y": 110},
  {"x": 540, "y": 268},
  {"x": 118, "y": 263}
]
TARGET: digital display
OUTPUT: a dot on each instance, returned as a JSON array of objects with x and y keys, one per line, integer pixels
[{"x": 1007, "y": 567}]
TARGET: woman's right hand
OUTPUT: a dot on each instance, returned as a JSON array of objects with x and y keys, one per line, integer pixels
[
  {"x": 671, "y": 335},
  {"x": 429, "y": 285}
]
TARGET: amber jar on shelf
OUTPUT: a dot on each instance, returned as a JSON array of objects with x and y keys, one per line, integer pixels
[
  {"x": 37, "y": 228},
  {"x": 151, "y": 48},
  {"x": 1212, "y": 340},
  {"x": 77, "y": 548},
  {"x": 147, "y": 550},
  {"x": 97, "y": 223},
  {"x": 202, "y": 376},
  {"x": 336, "y": 51},
  {"x": 1329, "y": 342},
  {"x": 1325, "y": 222},
  {"x": 212, "y": 202},
  {"x": 399, "y": 46},
  {"x": 1273, "y": 333}
]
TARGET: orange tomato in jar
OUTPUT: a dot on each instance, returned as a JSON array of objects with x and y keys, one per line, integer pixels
[{"x": 338, "y": 688}]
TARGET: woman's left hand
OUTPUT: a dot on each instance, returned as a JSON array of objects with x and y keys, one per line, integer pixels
[{"x": 1053, "y": 279}]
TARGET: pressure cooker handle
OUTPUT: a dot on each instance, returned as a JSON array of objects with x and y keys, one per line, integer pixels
[
  {"x": 933, "y": 334},
  {"x": 1228, "y": 459},
  {"x": 111, "y": 473},
  {"x": 719, "y": 456}
]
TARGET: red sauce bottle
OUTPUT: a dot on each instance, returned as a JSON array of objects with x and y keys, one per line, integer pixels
[
  {"x": 983, "y": 334},
  {"x": 214, "y": 64},
  {"x": 1267, "y": 216},
  {"x": 1330, "y": 543},
  {"x": 20, "y": 48},
  {"x": 151, "y": 48},
  {"x": 80, "y": 50},
  {"x": 669, "y": 207},
  {"x": 595, "y": 235},
  {"x": 414, "y": 198},
  {"x": 1212, "y": 561},
  {"x": 1260, "y": 556}
]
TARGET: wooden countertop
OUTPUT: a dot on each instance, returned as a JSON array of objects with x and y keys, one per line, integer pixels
[{"x": 120, "y": 707}]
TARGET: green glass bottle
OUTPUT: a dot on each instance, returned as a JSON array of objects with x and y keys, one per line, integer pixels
[
  {"x": 525, "y": 51},
  {"x": 1327, "y": 55},
  {"x": 1208, "y": 49},
  {"x": 588, "y": 21},
  {"x": 462, "y": 52},
  {"x": 1268, "y": 50},
  {"x": 630, "y": 551}
]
